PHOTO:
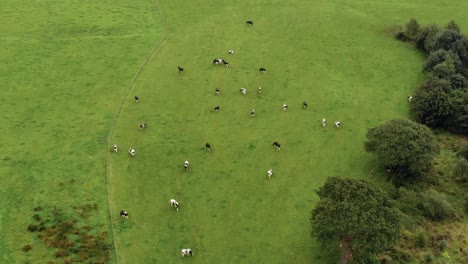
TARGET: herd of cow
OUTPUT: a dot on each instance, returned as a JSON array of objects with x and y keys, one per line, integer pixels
[{"x": 217, "y": 61}]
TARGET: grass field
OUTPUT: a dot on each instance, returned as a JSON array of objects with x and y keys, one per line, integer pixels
[{"x": 66, "y": 67}]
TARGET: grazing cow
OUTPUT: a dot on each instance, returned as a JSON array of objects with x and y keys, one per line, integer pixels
[
  {"x": 304, "y": 105},
  {"x": 217, "y": 108},
  {"x": 186, "y": 165},
  {"x": 262, "y": 69},
  {"x": 252, "y": 112},
  {"x": 181, "y": 70},
  {"x": 324, "y": 122},
  {"x": 142, "y": 125},
  {"x": 132, "y": 152},
  {"x": 226, "y": 63},
  {"x": 208, "y": 147},
  {"x": 285, "y": 107},
  {"x": 218, "y": 61},
  {"x": 124, "y": 214},
  {"x": 337, "y": 124},
  {"x": 249, "y": 22},
  {"x": 277, "y": 145},
  {"x": 270, "y": 173},
  {"x": 217, "y": 91},
  {"x": 116, "y": 148},
  {"x": 243, "y": 91},
  {"x": 186, "y": 252},
  {"x": 231, "y": 52},
  {"x": 259, "y": 89},
  {"x": 174, "y": 204},
  {"x": 410, "y": 98},
  {"x": 136, "y": 99}
]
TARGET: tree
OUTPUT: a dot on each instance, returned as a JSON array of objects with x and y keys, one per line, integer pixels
[
  {"x": 357, "y": 216},
  {"x": 406, "y": 147},
  {"x": 412, "y": 29},
  {"x": 453, "y": 26},
  {"x": 427, "y": 37},
  {"x": 446, "y": 39}
]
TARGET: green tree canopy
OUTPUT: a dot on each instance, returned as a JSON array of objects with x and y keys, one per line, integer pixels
[
  {"x": 403, "y": 145},
  {"x": 357, "y": 216}
]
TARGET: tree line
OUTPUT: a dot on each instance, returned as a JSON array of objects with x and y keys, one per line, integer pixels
[
  {"x": 442, "y": 100},
  {"x": 364, "y": 221}
]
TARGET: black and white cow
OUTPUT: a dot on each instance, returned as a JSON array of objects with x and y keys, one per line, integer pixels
[
  {"x": 132, "y": 152},
  {"x": 231, "y": 52},
  {"x": 116, "y": 148},
  {"x": 277, "y": 145},
  {"x": 243, "y": 91},
  {"x": 217, "y": 61},
  {"x": 270, "y": 173},
  {"x": 249, "y": 23},
  {"x": 186, "y": 165},
  {"x": 124, "y": 214},
  {"x": 262, "y": 70},
  {"x": 208, "y": 147},
  {"x": 217, "y": 108},
  {"x": 217, "y": 91},
  {"x": 305, "y": 105},
  {"x": 252, "y": 112},
  {"x": 337, "y": 124},
  {"x": 136, "y": 99},
  {"x": 186, "y": 252},
  {"x": 410, "y": 98},
  {"x": 285, "y": 107},
  {"x": 226, "y": 63},
  {"x": 181, "y": 70},
  {"x": 174, "y": 204},
  {"x": 142, "y": 125},
  {"x": 259, "y": 89}
]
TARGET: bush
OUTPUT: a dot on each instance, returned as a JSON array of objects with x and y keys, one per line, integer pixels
[
  {"x": 429, "y": 258},
  {"x": 435, "y": 206},
  {"x": 461, "y": 170},
  {"x": 421, "y": 240}
]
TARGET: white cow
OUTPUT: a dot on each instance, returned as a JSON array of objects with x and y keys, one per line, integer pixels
[
  {"x": 410, "y": 98},
  {"x": 174, "y": 204},
  {"x": 231, "y": 52},
  {"x": 243, "y": 91},
  {"x": 186, "y": 165},
  {"x": 186, "y": 252},
  {"x": 132, "y": 152},
  {"x": 252, "y": 112},
  {"x": 337, "y": 124},
  {"x": 116, "y": 148},
  {"x": 259, "y": 89},
  {"x": 270, "y": 173},
  {"x": 285, "y": 107},
  {"x": 324, "y": 122}
]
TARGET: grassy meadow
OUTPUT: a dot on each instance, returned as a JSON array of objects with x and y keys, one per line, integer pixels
[{"x": 68, "y": 68}]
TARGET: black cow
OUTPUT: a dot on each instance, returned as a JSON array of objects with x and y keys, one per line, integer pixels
[
  {"x": 136, "y": 99},
  {"x": 249, "y": 22},
  {"x": 277, "y": 145},
  {"x": 262, "y": 69},
  {"x": 304, "y": 105},
  {"x": 217, "y": 108},
  {"x": 181, "y": 70},
  {"x": 208, "y": 146}
]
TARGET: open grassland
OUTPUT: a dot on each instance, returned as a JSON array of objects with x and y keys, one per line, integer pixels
[
  {"x": 337, "y": 55},
  {"x": 65, "y": 67}
]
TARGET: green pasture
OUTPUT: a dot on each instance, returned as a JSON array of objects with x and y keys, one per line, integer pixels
[{"x": 69, "y": 69}]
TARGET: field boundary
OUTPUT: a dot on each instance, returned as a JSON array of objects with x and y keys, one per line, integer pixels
[{"x": 130, "y": 88}]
